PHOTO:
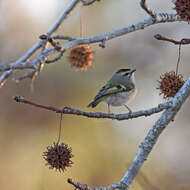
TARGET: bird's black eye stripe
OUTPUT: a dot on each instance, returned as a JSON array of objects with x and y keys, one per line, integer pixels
[
  {"x": 123, "y": 70},
  {"x": 125, "y": 74},
  {"x": 119, "y": 87}
]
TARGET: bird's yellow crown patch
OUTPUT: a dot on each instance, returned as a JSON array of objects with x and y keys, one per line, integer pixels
[{"x": 123, "y": 69}]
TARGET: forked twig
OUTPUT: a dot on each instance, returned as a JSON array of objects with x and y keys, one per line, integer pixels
[
  {"x": 147, "y": 10},
  {"x": 24, "y": 63}
]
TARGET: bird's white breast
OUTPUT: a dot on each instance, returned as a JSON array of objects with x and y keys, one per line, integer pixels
[{"x": 121, "y": 98}]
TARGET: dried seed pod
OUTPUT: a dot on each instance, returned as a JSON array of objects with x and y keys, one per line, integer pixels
[
  {"x": 81, "y": 57},
  {"x": 182, "y": 8},
  {"x": 58, "y": 156},
  {"x": 170, "y": 83}
]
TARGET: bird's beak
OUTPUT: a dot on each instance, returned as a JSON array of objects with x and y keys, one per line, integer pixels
[{"x": 132, "y": 71}]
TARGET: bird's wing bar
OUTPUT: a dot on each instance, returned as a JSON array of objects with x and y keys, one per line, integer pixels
[{"x": 108, "y": 90}]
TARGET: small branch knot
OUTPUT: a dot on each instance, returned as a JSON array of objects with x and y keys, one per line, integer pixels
[
  {"x": 78, "y": 185},
  {"x": 66, "y": 109},
  {"x": 18, "y": 98},
  {"x": 43, "y": 37},
  {"x": 147, "y": 10},
  {"x": 103, "y": 44},
  {"x": 158, "y": 36}
]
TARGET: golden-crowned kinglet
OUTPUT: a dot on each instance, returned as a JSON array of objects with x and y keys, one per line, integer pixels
[{"x": 118, "y": 91}]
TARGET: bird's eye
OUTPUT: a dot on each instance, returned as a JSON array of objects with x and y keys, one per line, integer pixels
[{"x": 126, "y": 74}]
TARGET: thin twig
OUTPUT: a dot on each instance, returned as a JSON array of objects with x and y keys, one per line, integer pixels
[
  {"x": 60, "y": 20},
  {"x": 63, "y": 17},
  {"x": 55, "y": 44},
  {"x": 62, "y": 37},
  {"x": 147, "y": 10},
  {"x": 88, "y": 2},
  {"x": 29, "y": 74},
  {"x": 184, "y": 41},
  {"x": 20, "y": 99},
  {"x": 81, "y": 186},
  {"x": 72, "y": 111},
  {"x": 58, "y": 57},
  {"x": 22, "y": 63},
  {"x": 178, "y": 60},
  {"x": 4, "y": 77},
  {"x": 160, "y": 18}
]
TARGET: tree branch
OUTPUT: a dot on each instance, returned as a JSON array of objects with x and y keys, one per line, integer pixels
[
  {"x": 147, "y": 10},
  {"x": 50, "y": 31},
  {"x": 171, "y": 109},
  {"x": 160, "y": 18},
  {"x": 22, "y": 62},
  {"x": 4, "y": 77},
  {"x": 72, "y": 111},
  {"x": 149, "y": 142},
  {"x": 80, "y": 186},
  {"x": 184, "y": 41},
  {"x": 29, "y": 74},
  {"x": 55, "y": 59},
  {"x": 88, "y": 2}
]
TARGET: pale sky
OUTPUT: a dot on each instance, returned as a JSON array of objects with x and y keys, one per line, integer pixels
[{"x": 42, "y": 8}]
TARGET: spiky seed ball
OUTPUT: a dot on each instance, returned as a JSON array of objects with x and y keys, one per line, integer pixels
[
  {"x": 170, "y": 83},
  {"x": 81, "y": 57},
  {"x": 183, "y": 9},
  {"x": 58, "y": 156}
]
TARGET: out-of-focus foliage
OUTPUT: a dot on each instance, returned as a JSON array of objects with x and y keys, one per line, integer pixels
[{"x": 102, "y": 149}]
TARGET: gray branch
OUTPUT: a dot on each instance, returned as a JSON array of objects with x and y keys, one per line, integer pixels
[
  {"x": 23, "y": 63},
  {"x": 97, "y": 115},
  {"x": 147, "y": 10},
  {"x": 4, "y": 77},
  {"x": 120, "y": 117},
  {"x": 147, "y": 144},
  {"x": 159, "y": 18},
  {"x": 170, "y": 108}
]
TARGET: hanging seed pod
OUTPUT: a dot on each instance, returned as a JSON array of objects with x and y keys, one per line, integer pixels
[
  {"x": 182, "y": 8},
  {"x": 170, "y": 83},
  {"x": 81, "y": 57},
  {"x": 58, "y": 156}
]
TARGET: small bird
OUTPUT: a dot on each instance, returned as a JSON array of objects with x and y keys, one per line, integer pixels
[{"x": 118, "y": 91}]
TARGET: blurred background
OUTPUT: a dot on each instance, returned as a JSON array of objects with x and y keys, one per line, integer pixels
[{"x": 103, "y": 149}]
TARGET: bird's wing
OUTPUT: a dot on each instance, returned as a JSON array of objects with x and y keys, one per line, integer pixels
[
  {"x": 108, "y": 90},
  {"x": 104, "y": 92}
]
